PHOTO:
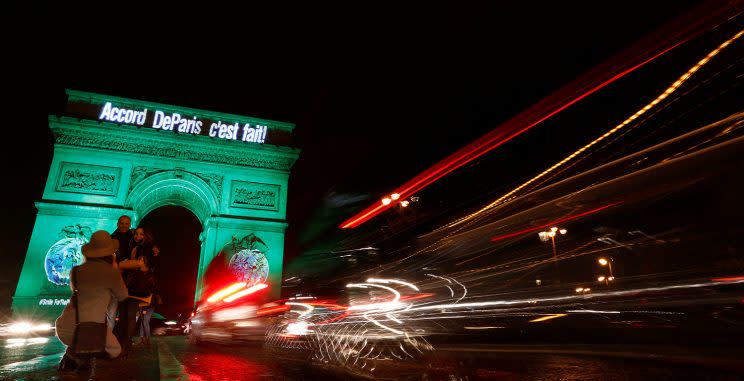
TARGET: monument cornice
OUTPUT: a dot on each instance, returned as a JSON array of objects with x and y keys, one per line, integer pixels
[{"x": 123, "y": 138}]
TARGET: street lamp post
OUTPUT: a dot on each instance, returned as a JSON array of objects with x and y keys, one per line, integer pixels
[
  {"x": 605, "y": 262},
  {"x": 608, "y": 263},
  {"x": 550, "y": 235}
]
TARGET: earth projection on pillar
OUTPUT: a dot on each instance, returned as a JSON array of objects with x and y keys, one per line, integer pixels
[
  {"x": 65, "y": 253},
  {"x": 248, "y": 259}
]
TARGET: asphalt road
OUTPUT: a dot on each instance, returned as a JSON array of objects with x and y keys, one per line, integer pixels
[{"x": 171, "y": 358}]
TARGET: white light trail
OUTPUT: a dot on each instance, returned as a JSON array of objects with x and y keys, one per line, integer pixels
[
  {"x": 385, "y": 306},
  {"x": 308, "y": 308},
  {"x": 387, "y": 281}
]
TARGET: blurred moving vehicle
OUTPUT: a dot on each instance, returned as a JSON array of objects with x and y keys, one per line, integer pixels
[
  {"x": 176, "y": 327},
  {"x": 238, "y": 312}
]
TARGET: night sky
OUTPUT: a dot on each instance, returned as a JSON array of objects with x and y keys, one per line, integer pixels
[{"x": 378, "y": 93}]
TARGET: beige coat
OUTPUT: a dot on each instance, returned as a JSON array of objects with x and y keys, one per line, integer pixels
[{"x": 98, "y": 283}]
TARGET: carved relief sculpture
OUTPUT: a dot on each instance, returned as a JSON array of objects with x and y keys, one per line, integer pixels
[
  {"x": 86, "y": 178},
  {"x": 255, "y": 195}
]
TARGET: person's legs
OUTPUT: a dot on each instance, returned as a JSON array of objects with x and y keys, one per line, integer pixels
[
  {"x": 146, "y": 321},
  {"x": 65, "y": 328},
  {"x": 124, "y": 329},
  {"x": 65, "y": 331},
  {"x": 140, "y": 325},
  {"x": 121, "y": 324},
  {"x": 131, "y": 324}
]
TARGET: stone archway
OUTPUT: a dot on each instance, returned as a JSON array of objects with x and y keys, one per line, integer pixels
[
  {"x": 115, "y": 156},
  {"x": 171, "y": 187}
]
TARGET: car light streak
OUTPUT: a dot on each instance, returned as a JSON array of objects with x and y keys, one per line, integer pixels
[
  {"x": 671, "y": 89},
  {"x": 225, "y": 292},
  {"x": 544, "y": 318},
  {"x": 247, "y": 291}
]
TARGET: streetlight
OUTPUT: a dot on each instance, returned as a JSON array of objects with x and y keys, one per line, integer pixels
[
  {"x": 605, "y": 262},
  {"x": 550, "y": 235},
  {"x": 582, "y": 290},
  {"x": 608, "y": 263}
]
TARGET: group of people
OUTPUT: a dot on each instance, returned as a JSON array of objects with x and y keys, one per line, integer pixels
[{"x": 115, "y": 285}]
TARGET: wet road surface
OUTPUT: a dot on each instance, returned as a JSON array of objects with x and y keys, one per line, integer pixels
[{"x": 171, "y": 358}]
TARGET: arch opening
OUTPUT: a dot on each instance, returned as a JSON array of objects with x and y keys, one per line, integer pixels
[{"x": 176, "y": 231}]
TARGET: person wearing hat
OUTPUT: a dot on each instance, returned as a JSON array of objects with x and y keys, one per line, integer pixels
[{"x": 97, "y": 282}]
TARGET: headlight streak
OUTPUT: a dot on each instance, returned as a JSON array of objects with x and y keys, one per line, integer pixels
[
  {"x": 247, "y": 291},
  {"x": 393, "y": 318},
  {"x": 393, "y": 330},
  {"x": 385, "y": 306},
  {"x": 361, "y": 335},
  {"x": 227, "y": 291},
  {"x": 386, "y": 281},
  {"x": 626, "y": 312},
  {"x": 367, "y": 334},
  {"x": 564, "y": 298},
  {"x": 464, "y": 290},
  {"x": 450, "y": 280},
  {"x": 392, "y": 304},
  {"x": 400, "y": 345},
  {"x": 308, "y": 308}
]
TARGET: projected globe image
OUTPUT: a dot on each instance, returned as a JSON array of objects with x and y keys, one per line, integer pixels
[
  {"x": 61, "y": 258},
  {"x": 250, "y": 266},
  {"x": 247, "y": 259}
]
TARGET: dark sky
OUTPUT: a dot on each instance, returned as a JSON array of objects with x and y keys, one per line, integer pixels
[{"x": 378, "y": 93}]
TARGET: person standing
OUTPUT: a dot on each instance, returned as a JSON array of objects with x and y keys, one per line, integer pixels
[
  {"x": 124, "y": 235},
  {"x": 147, "y": 312},
  {"x": 139, "y": 281},
  {"x": 97, "y": 282}
]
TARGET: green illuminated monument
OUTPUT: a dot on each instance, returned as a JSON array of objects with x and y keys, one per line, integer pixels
[{"x": 116, "y": 156}]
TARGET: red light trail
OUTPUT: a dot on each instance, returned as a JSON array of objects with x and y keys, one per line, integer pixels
[
  {"x": 596, "y": 79},
  {"x": 500, "y": 135}
]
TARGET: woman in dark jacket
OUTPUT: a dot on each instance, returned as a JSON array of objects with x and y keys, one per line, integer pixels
[{"x": 138, "y": 277}]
